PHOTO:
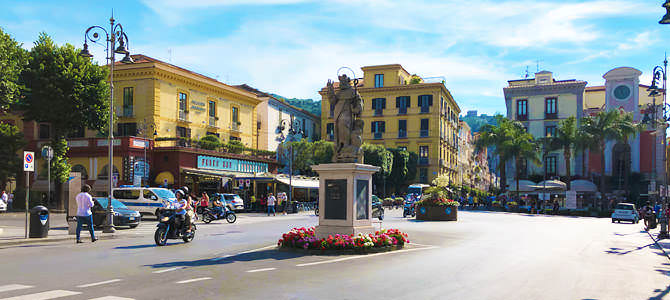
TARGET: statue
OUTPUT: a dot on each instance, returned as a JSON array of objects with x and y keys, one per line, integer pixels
[{"x": 348, "y": 106}]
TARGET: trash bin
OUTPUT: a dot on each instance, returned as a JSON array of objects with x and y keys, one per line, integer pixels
[{"x": 39, "y": 222}]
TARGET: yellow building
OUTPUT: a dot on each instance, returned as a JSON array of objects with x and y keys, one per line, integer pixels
[{"x": 403, "y": 111}]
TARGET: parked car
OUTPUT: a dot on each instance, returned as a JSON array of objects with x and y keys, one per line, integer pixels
[
  {"x": 625, "y": 212},
  {"x": 233, "y": 201},
  {"x": 377, "y": 208},
  {"x": 148, "y": 201},
  {"x": 3, "y": 206},
  {"x": 123, "y": 216}
]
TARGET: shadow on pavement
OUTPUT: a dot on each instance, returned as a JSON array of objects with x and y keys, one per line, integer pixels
[
  {"x": 620, "y": 252},
  {"x": 242, "y": 257},
  {"x": 144, "y": 246}
]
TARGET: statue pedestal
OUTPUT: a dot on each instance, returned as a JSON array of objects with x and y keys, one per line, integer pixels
[{"x": 345, "y": 198}]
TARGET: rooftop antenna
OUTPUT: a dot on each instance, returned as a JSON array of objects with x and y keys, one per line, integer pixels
[{"x": 526, "y": 76}]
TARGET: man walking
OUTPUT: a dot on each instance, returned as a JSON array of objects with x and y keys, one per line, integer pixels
[
  {"x": 84, "y": 215},
  {"x": 271, "y": 204}
]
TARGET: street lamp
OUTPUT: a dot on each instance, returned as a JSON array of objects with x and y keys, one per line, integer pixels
[
  {"x": 659, "y": 73},
  {"x": 666, "y": 18},
  {"x": 114, "y": 34},
  {"x": 292, "y": 131}
]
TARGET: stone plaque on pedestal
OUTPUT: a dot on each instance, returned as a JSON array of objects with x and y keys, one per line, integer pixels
[{"x": 344, "y": 198}]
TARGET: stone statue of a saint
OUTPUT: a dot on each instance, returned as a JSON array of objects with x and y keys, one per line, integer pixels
[{"x": 348, "y": 106}]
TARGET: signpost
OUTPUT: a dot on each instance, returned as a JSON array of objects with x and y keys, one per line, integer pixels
[
  {"x": 28, "y": 166},
  {"x": 48, "y": 153}
]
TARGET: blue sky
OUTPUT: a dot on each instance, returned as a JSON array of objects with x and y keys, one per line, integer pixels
[{"x": 292, "y": 47}]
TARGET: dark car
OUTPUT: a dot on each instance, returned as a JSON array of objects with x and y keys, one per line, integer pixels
[
  {"x": 123, "y": 216},
  {"x": 377, "y": 209}
]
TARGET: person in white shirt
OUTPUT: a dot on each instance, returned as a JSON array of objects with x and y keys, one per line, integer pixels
[
  {"x": 84, "y": 215},
  {"x": 271, "y": 204},
  {"x": 4, "y": 197}
]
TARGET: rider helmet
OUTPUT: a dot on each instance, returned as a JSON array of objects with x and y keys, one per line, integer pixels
[
  {"x": 179, "y": 192},
  {"x": 185, "y": 189}
]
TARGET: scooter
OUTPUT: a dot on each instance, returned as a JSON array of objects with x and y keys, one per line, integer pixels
[
  {"x": 209, "y": 215},
  {"x": 168, "y": 229},
  {"x": 409, "y": 209}
]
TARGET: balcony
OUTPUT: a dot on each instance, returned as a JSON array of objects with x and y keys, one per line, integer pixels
[
  {"x": 377, "y": 135},
  {"x": 402, "y": 133},
  {"x": 424, "y": 161},
  {"x": 423, "y": 133},
  {"x": 551, "y": 116},
  {"x": 522, "y": 117},
  {"x": 236, "y": 126},
  {"x": 425, "y": 109},
  {"x": 402, "y": 110},
  {"x": 379, "y": 112},
  {"x": 212, "y": 121},
  {"x": 331, "y": 137},
  {"x": 127, "y": 112}
]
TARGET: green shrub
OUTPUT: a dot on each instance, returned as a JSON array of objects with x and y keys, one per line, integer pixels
[{"x": 209, "y": 142}]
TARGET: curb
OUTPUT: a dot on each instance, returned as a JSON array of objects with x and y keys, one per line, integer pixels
[
  {"x": 19, "y": 242},
  {"x": 658, "y": 245}
]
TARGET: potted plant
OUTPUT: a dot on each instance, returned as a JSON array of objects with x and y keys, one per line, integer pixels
[{"x": 436, "y": 207}]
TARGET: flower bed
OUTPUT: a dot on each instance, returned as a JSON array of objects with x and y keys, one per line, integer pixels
[
  {"x": 305, "y": 239},
  {"x": 437, "y": 209}
]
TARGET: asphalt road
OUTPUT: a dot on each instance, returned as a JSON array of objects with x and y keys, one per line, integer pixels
[{"x": 482, "y": 256}]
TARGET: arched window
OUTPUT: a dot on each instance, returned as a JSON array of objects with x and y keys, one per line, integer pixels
[
  {"x": 104, "y": 172},
  {"x": 80, "y": 169}
]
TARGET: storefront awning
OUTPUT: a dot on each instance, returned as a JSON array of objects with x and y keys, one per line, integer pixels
[
  {"x": 581, "y": 185},
  {"x": 223, "y": 174},
  {"x": 299, "y": 182},
  {"x": 524, "y": 186},
  {"x": 553, "y": 185}
]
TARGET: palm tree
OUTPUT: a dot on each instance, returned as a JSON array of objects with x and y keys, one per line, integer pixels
[
  {"x": 521, "y": 145},
  {"x": 607, "y": 126},
  {"x": 495, "y": 136},
  {"x": 583, "y": 142},
  {"x": 565, "y": 139}
]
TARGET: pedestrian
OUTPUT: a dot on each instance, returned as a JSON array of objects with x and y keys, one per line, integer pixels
[
  {"x": 253, "y": 203},
  {"x": 271, "y": 204},
  {"x": 84, "y": 216},
  {"x": 10, "y": 200},
  {"x": 4, "y": 198}
]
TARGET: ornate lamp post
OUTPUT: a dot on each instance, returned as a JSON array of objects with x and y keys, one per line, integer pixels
[
  {"x": 115, "y": 34},
  {"x": 659, "y": 73},
  {"x": 292, "y": 131}
]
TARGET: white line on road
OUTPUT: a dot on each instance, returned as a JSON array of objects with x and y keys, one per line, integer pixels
[
  {"x": 111, "y": 298},
  {"x": 45, "y": 295},
  {"x": 259, "y": 249},
  {"x": 423, "y": 245},
  {"x": 261, "y": 270},
  {"x": 13, "y": 287},
  {"x": 361, "y": 256},
  {"x": 220, "y": 258},
  {"x": 194, "y": 280},
  {"x": 98, "y": 283},
  {"x": 167, "y": 270}
]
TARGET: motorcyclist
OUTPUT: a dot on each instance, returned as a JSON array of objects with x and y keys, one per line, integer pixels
[
  {"x": 218, "y": 207},
  {"x": 183, "y": 206}
]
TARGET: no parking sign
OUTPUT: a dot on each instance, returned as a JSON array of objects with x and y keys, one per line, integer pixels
[{"x": 28, "y": 161}]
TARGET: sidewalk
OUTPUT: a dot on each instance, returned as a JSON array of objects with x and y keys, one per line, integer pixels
[{"x": 663, "y": 244}]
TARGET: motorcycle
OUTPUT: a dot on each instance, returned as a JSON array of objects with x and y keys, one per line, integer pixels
[
  {"x": 209, "y": 215},
  {"x": 409, "y": 209},
  {"x": 168, "y": 229}
]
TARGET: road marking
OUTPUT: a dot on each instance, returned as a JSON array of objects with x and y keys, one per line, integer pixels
[
  {"x": 361, "y": 256},
  {"x": 259, "y": 249},
  {"x": 194, "y": 280},
  {"x": 45, "y": 295},
  {"x": 220, "y": 258},
  {"x": 423, "y": 245},
  {"x": 261, "y": 270},
  {"x": 13, "y": 287},
  {"x": 111, "y": 298},
  {"x": 98, "y": 283},
  {"x": 167, "y": 270}
]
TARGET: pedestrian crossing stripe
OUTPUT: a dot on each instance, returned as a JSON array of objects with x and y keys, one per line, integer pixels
[
  {"x": 13, "y": 287},
  {"x": 111, "y": 298},
  {"x": 44, "y": 295}
]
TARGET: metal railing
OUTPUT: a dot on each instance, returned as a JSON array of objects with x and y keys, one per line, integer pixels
[
  {"x": 183, "y": 116},
  {"x": 212, "y": 121},
  {"x": 423, "y": 133}
]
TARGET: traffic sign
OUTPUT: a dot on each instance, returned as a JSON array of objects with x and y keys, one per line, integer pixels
[{"x": 28, "y": 161}]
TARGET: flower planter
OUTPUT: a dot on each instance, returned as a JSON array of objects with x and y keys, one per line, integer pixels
[
  {"x": 370, "y": 250},
  {"x": 437, "y": 213}
]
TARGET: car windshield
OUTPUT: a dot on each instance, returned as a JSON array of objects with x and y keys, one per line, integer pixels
[
  {"x": 115, "y": 203},
  {"x": 624, "y": 206},
  {"x": 164, "y": 193}
]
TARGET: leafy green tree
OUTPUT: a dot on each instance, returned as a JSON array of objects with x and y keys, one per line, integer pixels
[
  {"x": 323, "y": 152},
  {"x": 606, "y": 126},
  {"x": 13, "y": 60},
  {"x": 210, "y": 142},
  {"x": 412, "y": 167},
  {"x": 235, "y": 146},
  {"x": 377, "y": 155},
  {"x": 66, "y": 91},
  {"x": 399, "y": 171},
  {"x": 11, "y": 161}
]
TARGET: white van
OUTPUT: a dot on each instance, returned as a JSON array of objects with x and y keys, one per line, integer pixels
[{"x": 147, "y": 201}]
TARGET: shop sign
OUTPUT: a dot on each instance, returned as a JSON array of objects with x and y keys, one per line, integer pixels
[{"x": 230, "y": 164}]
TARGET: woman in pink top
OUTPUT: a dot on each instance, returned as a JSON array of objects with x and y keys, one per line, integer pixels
[{"x": 84, "y": 215}]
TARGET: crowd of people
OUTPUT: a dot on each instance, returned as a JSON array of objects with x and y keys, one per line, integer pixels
[{"x": 7, "y": 199}]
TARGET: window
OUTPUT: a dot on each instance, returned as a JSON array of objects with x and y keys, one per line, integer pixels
[
  {"x": 127, "y": 129},
  {"x": 423, "y": 155},
  {"x": 378, "y": 105},
  {"x": 128, "y": 102},
  {"x": 183, "y": 106},
  {"x": 183, "y": 132},
  {"x": 424, "y": 128},
  {"x": 104, "y": 173},
  {"x": 423, "y": 175},
  {"x": 522, "y": 110},
  {"x": 379, "y": 80},
  {"x": 81, "y": 169},
  {"x": 45, "y": 131},
  {"x": 212, "y": 108},
  {"x": 550, "y": 109},
  {"x": 234, "y": 138},
  {"x": 378, "y": 128},
  {"x": 550, "y": 131},
  {"x": 550, "y": 165},
  {"x": 403, "y": 148},
  {"x": 127, "y": 194},
  {"x": 330, "y": 131},
  {"x": 425, "y": 102},
  {"x": 402, "y": 128},
  {"x": 332, "y": 110},
  {"x": 402, "y": 103},
  {"x": 235, "y": 117},
  {"x": 304, "y": 128}
]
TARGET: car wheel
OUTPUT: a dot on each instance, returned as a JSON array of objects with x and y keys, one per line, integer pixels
[{"x": 613, "y": 221}]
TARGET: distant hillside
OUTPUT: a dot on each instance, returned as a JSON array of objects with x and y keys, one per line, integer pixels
[
  {"x": 476, "y": 122},
  {"x": 306, "y": 104}
]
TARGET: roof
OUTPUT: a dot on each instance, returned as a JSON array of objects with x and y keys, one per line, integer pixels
[
  {"x": 387, "y": 66},
  {"x": 260, "y": 93}
]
